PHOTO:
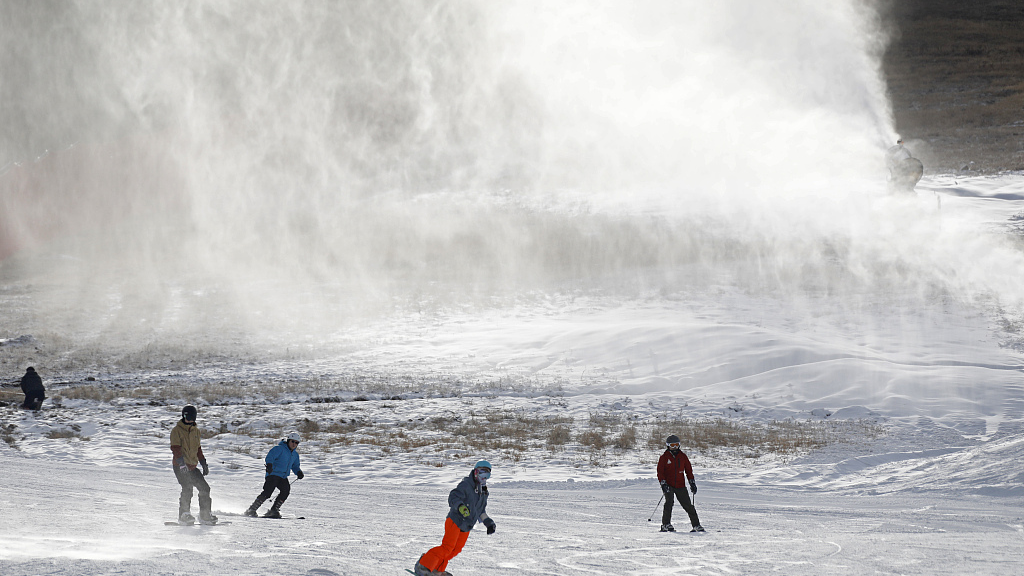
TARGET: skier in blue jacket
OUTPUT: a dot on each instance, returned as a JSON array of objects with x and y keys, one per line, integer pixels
[
  {"x": 467, "y": 505},
  {"x": 281, "y": 461}
]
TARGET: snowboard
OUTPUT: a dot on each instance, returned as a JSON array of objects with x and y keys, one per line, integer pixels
[{"x": 175, "y": 523}]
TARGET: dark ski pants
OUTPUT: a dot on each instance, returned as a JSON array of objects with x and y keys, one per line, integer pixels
[
  {"x": 33, "y": 401},
  {"x": 189, "y": 480},
  {"x": 269, "y": 485},
  {"x": 684, "y": 501}
]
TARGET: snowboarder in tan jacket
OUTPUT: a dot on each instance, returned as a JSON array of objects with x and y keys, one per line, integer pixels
[{"x": 188, "y": 457}]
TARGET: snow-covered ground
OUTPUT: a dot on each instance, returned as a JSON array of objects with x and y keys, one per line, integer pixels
[
  {"x": 924, "y": 398},
  {"x": 76, "y": 517}
]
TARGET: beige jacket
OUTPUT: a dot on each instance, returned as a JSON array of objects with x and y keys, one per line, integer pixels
[{"x": 185, "y": 444}]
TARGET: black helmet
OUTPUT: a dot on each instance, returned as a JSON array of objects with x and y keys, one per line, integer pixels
[
  {"x": 188, "y": 413},
  {"x": 673, "y": 439}
]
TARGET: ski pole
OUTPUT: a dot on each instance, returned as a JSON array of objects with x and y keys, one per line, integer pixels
[{"x": 656, "y": 507}]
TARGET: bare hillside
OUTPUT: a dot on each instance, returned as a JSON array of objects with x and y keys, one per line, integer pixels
[{"x": 956, "y": 78}]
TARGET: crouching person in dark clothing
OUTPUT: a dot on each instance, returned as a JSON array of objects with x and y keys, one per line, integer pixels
[
  {"x": 188, "y": 456},
  {"x": 32, "y": 386},
  {"x": 674, "y": 470},
  {"x": 281, "y": 461}
]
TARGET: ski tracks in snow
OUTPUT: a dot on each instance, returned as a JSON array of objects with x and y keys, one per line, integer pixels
[{"x": 66, "y": 518}]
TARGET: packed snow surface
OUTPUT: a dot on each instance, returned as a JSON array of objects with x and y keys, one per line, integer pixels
[{"x": 924, "y": 475}]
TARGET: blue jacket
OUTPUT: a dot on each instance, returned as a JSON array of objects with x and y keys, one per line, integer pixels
[
  {"x": 284, "y": 459},
  {"x": 473, "y": 496}
]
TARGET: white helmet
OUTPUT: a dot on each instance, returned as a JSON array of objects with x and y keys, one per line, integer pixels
[{"x": 294, "y": 436}]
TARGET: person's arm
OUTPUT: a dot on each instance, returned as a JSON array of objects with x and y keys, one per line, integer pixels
[
  {"x": 662, "y": 473},
  {"x": 178, "y": 456},
  {"x": 457, "y": 499},
  {"x": 689, "y": 473},
  {"x": 488, "y": 523},
  {"x": 269, "y": 460}
]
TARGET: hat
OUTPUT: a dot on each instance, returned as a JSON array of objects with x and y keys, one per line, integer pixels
[{"x": 482, "y": 464}]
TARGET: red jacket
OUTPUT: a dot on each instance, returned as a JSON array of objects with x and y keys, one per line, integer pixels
[{"x": 674, "y": 469}]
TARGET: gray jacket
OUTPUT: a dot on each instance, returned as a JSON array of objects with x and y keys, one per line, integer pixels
[{"x": 474, "y": 497}]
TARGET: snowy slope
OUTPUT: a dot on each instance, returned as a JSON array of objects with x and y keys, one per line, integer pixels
[
  {"x": 425, "y": 233},
  {"x": 927, "y": 481},
  {"x": 109, "y": 521}
]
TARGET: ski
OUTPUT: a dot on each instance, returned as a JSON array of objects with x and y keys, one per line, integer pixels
[
  {"x": 410, "y": 572},
  {"x": 281, "y": 518}
]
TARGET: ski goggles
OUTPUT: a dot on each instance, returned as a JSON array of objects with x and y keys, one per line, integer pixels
[
  {"x": 484, "y": 473},
  {"x": 673, "y": 446}
]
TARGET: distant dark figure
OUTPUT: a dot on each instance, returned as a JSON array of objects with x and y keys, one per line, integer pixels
[
  {"x": 32, "y": 386},
  {"x": 905, "y": 171}
]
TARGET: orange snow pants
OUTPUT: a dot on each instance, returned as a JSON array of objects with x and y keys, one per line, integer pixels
[{"x": 436, "y": 559}]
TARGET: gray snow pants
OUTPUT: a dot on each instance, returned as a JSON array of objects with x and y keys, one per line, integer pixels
[{"x": 189, "y": 480}]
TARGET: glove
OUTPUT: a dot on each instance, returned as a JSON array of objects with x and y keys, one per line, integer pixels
[
  {"x": 693, "y": 486},
  {"x": 464, "y": 510},
  {"x": 490, "y": 526},
  {"x": 180, "y": 463},
  {"x": 270, "y": 467},
  {"x": 299, "y": 474},
  {"x": 665, "y": 488},
  {"x": 206, "y": 469}
]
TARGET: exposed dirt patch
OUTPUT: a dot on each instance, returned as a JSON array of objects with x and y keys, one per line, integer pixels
[{"x": 956, "y": 79}]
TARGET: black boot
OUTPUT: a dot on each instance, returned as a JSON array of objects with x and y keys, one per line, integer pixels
[
  {"x": 274, "y": 512},
  {"x": 253, "y": 511}
]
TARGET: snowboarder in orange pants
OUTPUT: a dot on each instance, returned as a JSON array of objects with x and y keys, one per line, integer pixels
[{"x": 468, "y": 504}]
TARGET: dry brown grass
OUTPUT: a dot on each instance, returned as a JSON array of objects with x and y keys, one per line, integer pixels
[
  {"x": 591, "y": 439},
  {"x": 7, "y": 435},
  {"x": 11, "y": 396},
  {"x": 626, "y": 440},
  {"x": 205, "y": 433},
  {"x": 782, "y": 437},
  {"x": 508, "y": 433},
  {"x": 512, "y": 433},
  {"x": 66, "y": 433},
  {"x": 558, "y": 436}
]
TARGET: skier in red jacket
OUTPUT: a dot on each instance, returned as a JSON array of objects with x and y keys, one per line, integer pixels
[{"x": 673, "y": 471}]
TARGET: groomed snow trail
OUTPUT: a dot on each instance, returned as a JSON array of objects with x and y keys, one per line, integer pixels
[{"x": 73, "y": 518}]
